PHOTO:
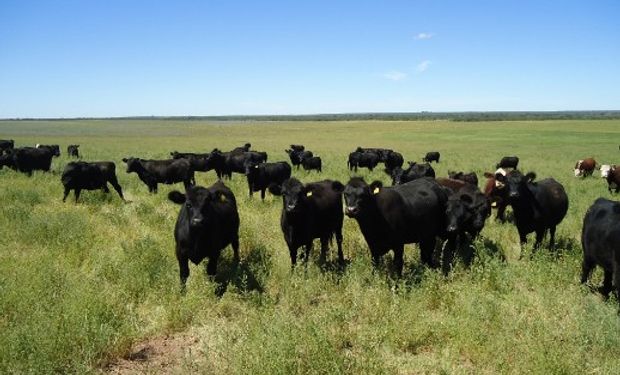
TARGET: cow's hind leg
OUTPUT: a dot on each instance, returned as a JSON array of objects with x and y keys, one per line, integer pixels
[
  {"x": 399, "y": 251},
  {"x": 607, "y": 283},
  {"x": 552, "y": 238},
  {"x": 586, "y": 269},
  {"x": 235, "y": 246},
  {"x": 117, "y": 187},
  {"x": 540, "y": 234}
]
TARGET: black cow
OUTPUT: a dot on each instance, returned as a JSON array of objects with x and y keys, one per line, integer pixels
[
  {"x": 313, "y": 163},
  {"x": 198, "y": 162},
  {"x": 29, "y": 159},
  {"x": 466, "y": 212},
  {"x": 261, "y": 176},
  {"x": 508, "y": 162},
  {"x": 79, "y": 175},
  {"x": 537, "y": 206},
  {"x": 353, "y": 161},
  {"x": 298, "y": 147},
  {"x": 152, "y": 172},
  {"x": 415, "y": 171},
  {"x": 382, "y": 153},
  {"x": 470, "y": 178},
  {"x": 208, "y": 222},
  {"x": 216, "y": 160},
  {"x": 391, "y": 217},
  {"x": 72, "y": 151},
  {"x": 8, "y": 159},
  {"x": 238, "y": 162},
  {"x": 54, "y": 148},
  {"x": 613, "y": 179},
  {"x": 368, "y": 160},
  {"x": 297, "y": 156},
  {"x": 600, "y": 238},
  {"x": 312, "y": 211},
  {"x": 431, "y": 157},
  {"x": 394, "y": 160},
  {"x": 6, "y": 144}
]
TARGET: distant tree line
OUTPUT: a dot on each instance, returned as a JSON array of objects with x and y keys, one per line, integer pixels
[{"x": 393, "y": 116}]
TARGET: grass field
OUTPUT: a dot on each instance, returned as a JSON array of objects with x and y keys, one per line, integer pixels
[{"x": 81, "y": 284}]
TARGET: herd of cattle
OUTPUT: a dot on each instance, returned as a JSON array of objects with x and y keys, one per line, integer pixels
[{"x": 419, "y": 207}]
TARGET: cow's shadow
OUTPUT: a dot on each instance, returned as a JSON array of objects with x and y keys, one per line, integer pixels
[{"x": 246, "y": 275}]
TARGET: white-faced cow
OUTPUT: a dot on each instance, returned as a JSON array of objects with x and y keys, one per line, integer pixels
[
  {"x": 585, "y": 167},
  {"x": 207, "y": 223}
]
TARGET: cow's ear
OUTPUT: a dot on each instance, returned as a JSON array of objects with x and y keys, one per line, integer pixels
[
  {"x": 375, "y": 187},
  {"x": 338, "y": 186},
  {"x": 489, "y": 175},
  {"x": 221, "y": 197},
  {"x": 124, "y": 160},
  {"x": 176, "y": 197},
  {"x": 530, "y": 177}
]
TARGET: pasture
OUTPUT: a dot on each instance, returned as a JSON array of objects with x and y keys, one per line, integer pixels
[{"x": 82, "y": 284}]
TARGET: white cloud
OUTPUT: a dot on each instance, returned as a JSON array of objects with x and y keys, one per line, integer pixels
[
  {"x": 423, "y": 36},
  {"x": 423, "y": 66},
  {"x": 395, "y": 75}
]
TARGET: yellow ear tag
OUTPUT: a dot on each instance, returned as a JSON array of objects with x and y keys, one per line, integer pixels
[
  {"x": 309, "y": 194},
  {"x": 376, "y": 191},
  {"x": 223, "y": 198}
]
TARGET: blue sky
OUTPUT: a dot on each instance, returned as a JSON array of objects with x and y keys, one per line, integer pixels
[{"x": 124, "y": 58}]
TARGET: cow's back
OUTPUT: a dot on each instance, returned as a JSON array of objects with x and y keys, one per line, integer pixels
[
  {"x": 552, "y": 199},
  {"x": 600, "y": 235}
]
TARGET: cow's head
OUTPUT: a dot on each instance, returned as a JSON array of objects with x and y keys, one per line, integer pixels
[
  {"x": 459, "y": 211},
  {"x": 133, "y": 164},
  {"x": 605, "y": 169},
  {"x": 515, "y": 183},
  {"x": 358, "y": 195},
  {"x": 250, "y": 167},
  {"x": 197, "y": 204}
]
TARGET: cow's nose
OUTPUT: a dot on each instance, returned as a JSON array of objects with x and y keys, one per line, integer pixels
[
  {"x": 451, "y": 228},
  {"x": 196, "y": 221},
  {"x": 351, "y": 210},
  {"x": 290, "y": 207},
  {"x": 513, "y": 194}
]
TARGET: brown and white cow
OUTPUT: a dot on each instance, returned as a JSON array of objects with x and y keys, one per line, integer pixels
[
  {"x": 585, "y": 167},
  {"x": 496, "y": 193}
]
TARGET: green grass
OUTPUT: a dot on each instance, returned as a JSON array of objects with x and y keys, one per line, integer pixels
[{"x": 80, "y": 284}]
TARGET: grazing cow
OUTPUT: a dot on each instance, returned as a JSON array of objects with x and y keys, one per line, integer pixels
[
  {"x": 368, "y": 160},
  {"x": 600, "y": 238},
  {"x": 394, "y": 160},
  {"x": 495, "y": 191},
  {"x": 354, "y": 160},
  {"x": 72, "y": 151},
  {"x": 29, "y": 159},
  {"x": 381, "y": 152},
  {"x": 466, "y": 212},
  {"x": 537, "y": 206},
  {"x": 208, "y": 222},
  {"x": 54, "y": 148},
  {"x": 297, "y": 156},
  {"x": 508, "y": 162},
  {"x": 152, "y": 172},
  {"x": 79, "y": 175},
  {"x": 605, "y": 168},
  {"x": 415, "y": 171},
  {"x": 585, "y": 167},
  {"x": 431, "y": 156},
  {"x": 311, "y": 211},
  {"x": 6, "y": 144},
  {"x": 261, "y": 176},
  {"x": 470, "y": 178},
  {"x": 391, "y": 217},
  {"x": 313, "y": 163},
  {"x": 613, "y": 179}
]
